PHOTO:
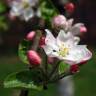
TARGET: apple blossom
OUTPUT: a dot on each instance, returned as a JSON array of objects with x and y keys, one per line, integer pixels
[
  {"x": 61, "y": 22},
  {"x": 64, "y": 47},
  {"x": 22, "y": 8}
]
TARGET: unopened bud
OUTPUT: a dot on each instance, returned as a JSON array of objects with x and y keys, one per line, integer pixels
[
  {"x": 69, "y": 7},
  {"x": 83, "y": 29},
  {"x": 74, "y": 68},
  {"x": 33, "y": 57},
  {"x": 30, "y": 36},
  {"x": 59, "y": 22}
]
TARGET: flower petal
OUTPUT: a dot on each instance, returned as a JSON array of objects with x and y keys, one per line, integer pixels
[
  {"x": 50, "y": 39},
  {"x": 76, "y": 28},
  {"x": 62, "y": 36},
  {"x": 51, "y": 52},
  {"x": 69, "y": 24},
  {"x": 67, "y": 39},
  {"x": 78, "y": 54}
]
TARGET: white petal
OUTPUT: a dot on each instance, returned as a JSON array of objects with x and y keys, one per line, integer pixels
[
  {"x": 50, "y": 51},
  {"x": 50, "y": 39},
  {"x": 76, "y": 40},
  {"x": 76, "y": 28},
  {"x": 78, "y": 54},
  {"x": 67, "y": 39},
  {"x": 62, "y": 36}
]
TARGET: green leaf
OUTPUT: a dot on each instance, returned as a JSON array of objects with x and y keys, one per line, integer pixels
[
  {"x": 22, "y": 51},
  {"x": 30, "y": 79},
  {"x": 47, "y": 11},
  {"x": 63, "y": 67}
]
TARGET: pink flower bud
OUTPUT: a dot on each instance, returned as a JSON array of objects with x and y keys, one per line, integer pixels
[
  {"x": 33, "y": 57},
  {"x": 74, "y": 68},
  {"x": 69, "y": 7},
  {"x": 30, "y": 36},
  {"x": 59, "y": 21},
  {"x": 83, "y": 29},
  {"x": 42, "y": 41}
]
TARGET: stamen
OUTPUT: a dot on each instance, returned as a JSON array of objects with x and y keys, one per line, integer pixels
[{"x": 63, "y": 51}]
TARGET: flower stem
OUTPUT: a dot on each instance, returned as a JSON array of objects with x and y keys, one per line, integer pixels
[{"x": 54, "y": 69}]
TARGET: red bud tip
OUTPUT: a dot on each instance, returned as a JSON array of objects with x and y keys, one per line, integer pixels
[
  {"x": 33, "y": 57},
  {"x": 83, "y": 29},
  {"x": 69, "y": 7},
  {"x": 74, "y": 68},
  {"x": 30, "y": 36}
]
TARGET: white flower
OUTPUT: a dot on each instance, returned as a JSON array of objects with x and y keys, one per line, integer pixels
[
  {"x": 23, "y": 8},
  {"x": 65, "y": 47}
]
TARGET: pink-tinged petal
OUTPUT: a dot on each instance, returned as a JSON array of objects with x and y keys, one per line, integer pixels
[{"x": 78, "y": 54}]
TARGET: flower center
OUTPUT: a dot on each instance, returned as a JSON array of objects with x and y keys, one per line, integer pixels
[{"x": 63, "y": 50}]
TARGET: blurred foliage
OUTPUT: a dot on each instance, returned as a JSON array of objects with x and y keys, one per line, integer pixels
[
  {"x": 3, "y": 20},
  {"x": 48, "y": 10}
]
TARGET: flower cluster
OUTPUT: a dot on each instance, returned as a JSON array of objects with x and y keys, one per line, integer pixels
[
  {"x": 65, "y": 46},
  {"x": 60, "y": 22},
  {"x": 23, "y": 8}
]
